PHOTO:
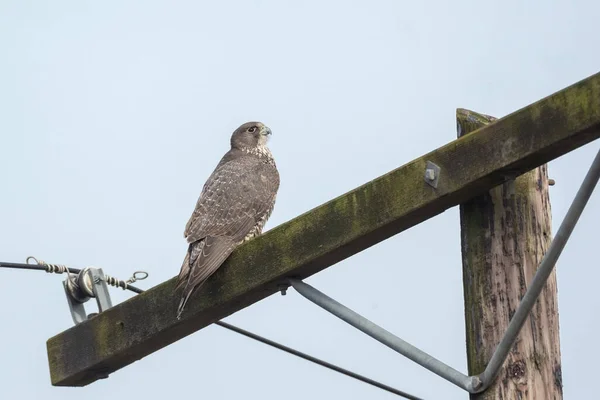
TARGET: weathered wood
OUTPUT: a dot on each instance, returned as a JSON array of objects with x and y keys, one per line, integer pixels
[
  {"x": 330, "y": 233},
  {"x": 504, "y": 233}
]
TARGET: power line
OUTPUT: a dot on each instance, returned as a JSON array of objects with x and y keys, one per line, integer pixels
[
  {"x": 316, "y": 360},
  {"x": 59, "y": 268}
]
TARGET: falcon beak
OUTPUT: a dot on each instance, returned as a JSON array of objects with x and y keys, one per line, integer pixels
[{"x": 265, "y": 131}]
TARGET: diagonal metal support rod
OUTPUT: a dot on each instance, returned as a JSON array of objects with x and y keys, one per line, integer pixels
[
  {"x": 476, "y": 383},
  {"x": 381, "y": 335}
]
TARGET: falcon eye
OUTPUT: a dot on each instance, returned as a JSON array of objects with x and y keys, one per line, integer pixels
[{"x": 252, "y": 130}]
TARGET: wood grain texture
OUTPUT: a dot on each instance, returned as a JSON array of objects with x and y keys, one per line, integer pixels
[
  {"x": 505, "y": 232},
  {"x": 330, "y": 233}
]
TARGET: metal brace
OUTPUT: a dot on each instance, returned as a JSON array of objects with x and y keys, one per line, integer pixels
[
  {"x": 79, "y": 288},
  {"x": 432, "y": 174}
]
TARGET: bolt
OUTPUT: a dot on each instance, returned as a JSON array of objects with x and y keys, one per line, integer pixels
[
  {"x": 476, "y": 384},
  {"x": 430, "y": 174},
  {"x": 101, "y": 373},
  {"x": 283, "y": 289}
]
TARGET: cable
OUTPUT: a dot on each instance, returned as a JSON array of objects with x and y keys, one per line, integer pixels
[
  {"x": 59, "y": 268},
  {"x": 316, "y": 361}
]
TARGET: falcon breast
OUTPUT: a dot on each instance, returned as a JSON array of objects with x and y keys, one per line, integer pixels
[{"x": 235, "y": 203}]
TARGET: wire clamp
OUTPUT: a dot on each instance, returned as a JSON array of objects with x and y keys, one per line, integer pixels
[{"x": 79, "y": 288}]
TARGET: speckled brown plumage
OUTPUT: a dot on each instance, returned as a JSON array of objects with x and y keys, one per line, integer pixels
[{"x": 235, "y": 203}]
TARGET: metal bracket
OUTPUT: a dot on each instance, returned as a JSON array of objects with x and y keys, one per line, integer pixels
[
  {"x": 79, "y": 288},
  {"x": 432, "y": 174}
]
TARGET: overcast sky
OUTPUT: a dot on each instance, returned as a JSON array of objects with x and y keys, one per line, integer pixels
[{"x": 114, "y": 113}]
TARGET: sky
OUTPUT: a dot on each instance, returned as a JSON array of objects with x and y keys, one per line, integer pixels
[{"x": 114, "y": 113}]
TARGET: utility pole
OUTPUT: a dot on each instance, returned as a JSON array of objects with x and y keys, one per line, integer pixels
[{"x": 504, "y": 234}]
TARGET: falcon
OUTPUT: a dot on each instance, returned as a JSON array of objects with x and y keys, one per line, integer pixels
[{"x": 234, "y": 205}]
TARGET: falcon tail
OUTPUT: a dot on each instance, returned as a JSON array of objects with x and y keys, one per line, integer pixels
[
  {"x": 187, "y": 292},
  {"x": 182, "y": 303},
  {"x": 206, "y": 257},
  {"x": 183, "y": 274},
  {"x": 183, "y": 283}
]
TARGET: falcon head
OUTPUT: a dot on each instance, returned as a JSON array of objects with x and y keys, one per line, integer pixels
[{"x": 250, "y": 135}]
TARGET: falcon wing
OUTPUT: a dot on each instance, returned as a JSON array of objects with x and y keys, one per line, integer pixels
[{"x": 237, "y": 195}]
